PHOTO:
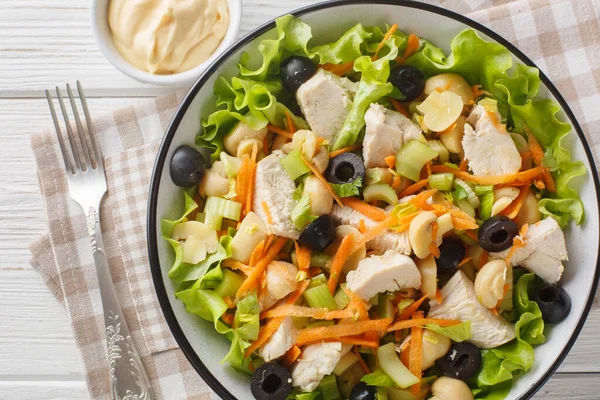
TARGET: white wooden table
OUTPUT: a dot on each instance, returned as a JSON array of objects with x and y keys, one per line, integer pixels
[{"x": 48, "y": 42}]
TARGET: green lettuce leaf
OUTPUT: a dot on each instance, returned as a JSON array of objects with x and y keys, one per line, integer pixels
[
  {"x": 458, "y": 333},
  {"x": 348, "y": 189},
  {"x": 373, "y": 85},
  {"x": 502, "y": 364},
  {"x": 167, "y": 226},
  {"x": 562, "y": 210},
  {"x": 491, "y": 65},
  {"x": 378, "y": 378}
]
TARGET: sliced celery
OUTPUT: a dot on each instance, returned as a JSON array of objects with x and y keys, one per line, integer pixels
[
  {"x": 464, "y": 205},
  {"x": 349, "y": 379},
  {"x": 486, "y": 198},
  {"x": 403, "y": 304},
  {"x": 214, "y": 221},
  {"x": 319, "y": 259},
  {"x": 385, "y": 308},
  {"x": 294, "y": 165},
  {"x": 411, "y": 159},
  {"x": 319, "y": 297},
  {"x": 380, "y": 191},
  {"x": 301, "y": 322},
  {"x": 200, "y": 217},
  {"x": 471, "y": 196},
  {"x": 329, "y": 389},
  {"x": 301, "y": 213},
  {"x": 230, "y": 283},
  {"x": 317, "y": 280},
  {"x": 443, "y": 181},
  {"x": 388, "y": 361},
  {"x": 347, "y": 361},
  {"x": 404, "y": 209},
  {"x": 230, "y": 164},
  {"x": 443, "y": 154},
  {"x": 223, "y": 207},
  {"x": 378, "y": 175},
  {"x": 341, "y": 298}
]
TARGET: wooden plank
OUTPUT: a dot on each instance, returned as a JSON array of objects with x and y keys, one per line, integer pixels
[
  {"x": 44, "y": 43},
  {"x": 44, "y": 390}
]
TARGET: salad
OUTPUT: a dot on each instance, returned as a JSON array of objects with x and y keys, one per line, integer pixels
[{"x": 374, "y": 219}]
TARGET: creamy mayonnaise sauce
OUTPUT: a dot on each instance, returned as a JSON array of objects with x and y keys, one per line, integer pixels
[{"x": 167, "y": 36}]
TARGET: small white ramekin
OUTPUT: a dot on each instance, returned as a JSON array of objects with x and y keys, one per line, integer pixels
[{"x": 103, "y": 37}]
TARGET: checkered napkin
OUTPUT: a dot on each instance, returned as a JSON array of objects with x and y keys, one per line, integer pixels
[{"x": 559, "y": 35}]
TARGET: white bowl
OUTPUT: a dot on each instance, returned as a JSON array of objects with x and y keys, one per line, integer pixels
[
  {"x": 203, "y": 346},
  {"x": 103, "y": 37}
]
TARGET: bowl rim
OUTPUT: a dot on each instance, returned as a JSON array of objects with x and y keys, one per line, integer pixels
[
  {"x": 152, "y": 237},
  {"x": 117, "y": 60}
]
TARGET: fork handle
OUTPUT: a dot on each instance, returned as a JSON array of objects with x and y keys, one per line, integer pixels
[{"x": 128, "y": 378}]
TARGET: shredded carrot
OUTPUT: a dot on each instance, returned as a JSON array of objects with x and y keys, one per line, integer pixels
[
  {"x": 420, "y": 322},
  {"x": 472, "y": 235},
  {"x": 236, "y": 266},
  {"x": 365, "y": 209},
  {"x": 396, "y": 183},
  {"x": 494, "y": 311},
  {"x": 341, "y": 255},
  {"x": 433, "y": 247},
  {"x": 303, "y": 254},
  {"x": 381, "y": 227},
  {"x": 291, "y": 356},
  {"x": 428, "y": 168},
  {"x": 362, "y": 227},
  {"x": 492, "y": 179},
  {"x": 357, "y": 304},
  {"x": 257, "y": 253},
  {"x": 266, "y": 145},
  {"x": 273, "y": 324},
  {"x": 268, "y": 244},
  {"x": 513, "y": 209},
  {"x": 339, "y": 69},
  {"x": 411, "y": 48},
  {"x": 267, "y": 211},
  {"x": 228, "y": 319},
  {"x": 352, "y": 147},
  {"x": 229, "y": 302},
  {"x": 242, "y": 180},
  {"x": 438, "y": 296},
  {"x": 290, "y": 124},
  {"x": 410, "y": 310},
  {"x": 537, "y": 154},
  {"x": 357, "y": 341},
  {"x": 335, "y": 331},
  {"x": 299, "y": 311},
  {"x": 483, "y": 259},
  {"x": 464, "y": 261},
  {"x": 399, "y": 107},
  {"x": 279, "y": 131},
  {"x": 420, "y": 200},
  {"x": 463, "y": 165},
  {"x": 539, "y": 184},
  {"x": 518, "y": 242},
  {"x": 416, "y": 353},
  {"x": 261, "y": 265},
  {"x": 390, "y": 161},
  {"x": 323, "y": 181},
  {"x": 389, "y": 34},
  {"x": 414, "y": 188},
  {"x": 362, "y": 362},
  {"x": 462, "y": 221},
  {"x": 250, "y": 192}
]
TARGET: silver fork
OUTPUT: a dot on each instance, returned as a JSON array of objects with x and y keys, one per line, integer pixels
[{"x": 87, "y": 186}]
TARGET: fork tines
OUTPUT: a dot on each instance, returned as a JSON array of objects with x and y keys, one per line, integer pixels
[{"x": 79, "y": 158}]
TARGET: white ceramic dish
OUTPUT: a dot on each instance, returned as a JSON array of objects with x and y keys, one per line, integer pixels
[
  {"x": 103, "y": 37},
  {"x": 203, "y": 346}
]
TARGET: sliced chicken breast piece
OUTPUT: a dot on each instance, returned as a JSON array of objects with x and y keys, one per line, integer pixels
[
  {"x": 274, "y": 187},
  {"x": 460, "y": 303},
  {"x": 488, "y": 147},
  {"x": 386, "y": 132},
  {"x": 544, "y": 251},
  {"x": 280, "y": 342},
  {"x": 325, "y": 101},
  {"x": 389, "y": 272},
  {"x": 316, "y": 361},
  {"x": 386, "y": 241}
]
